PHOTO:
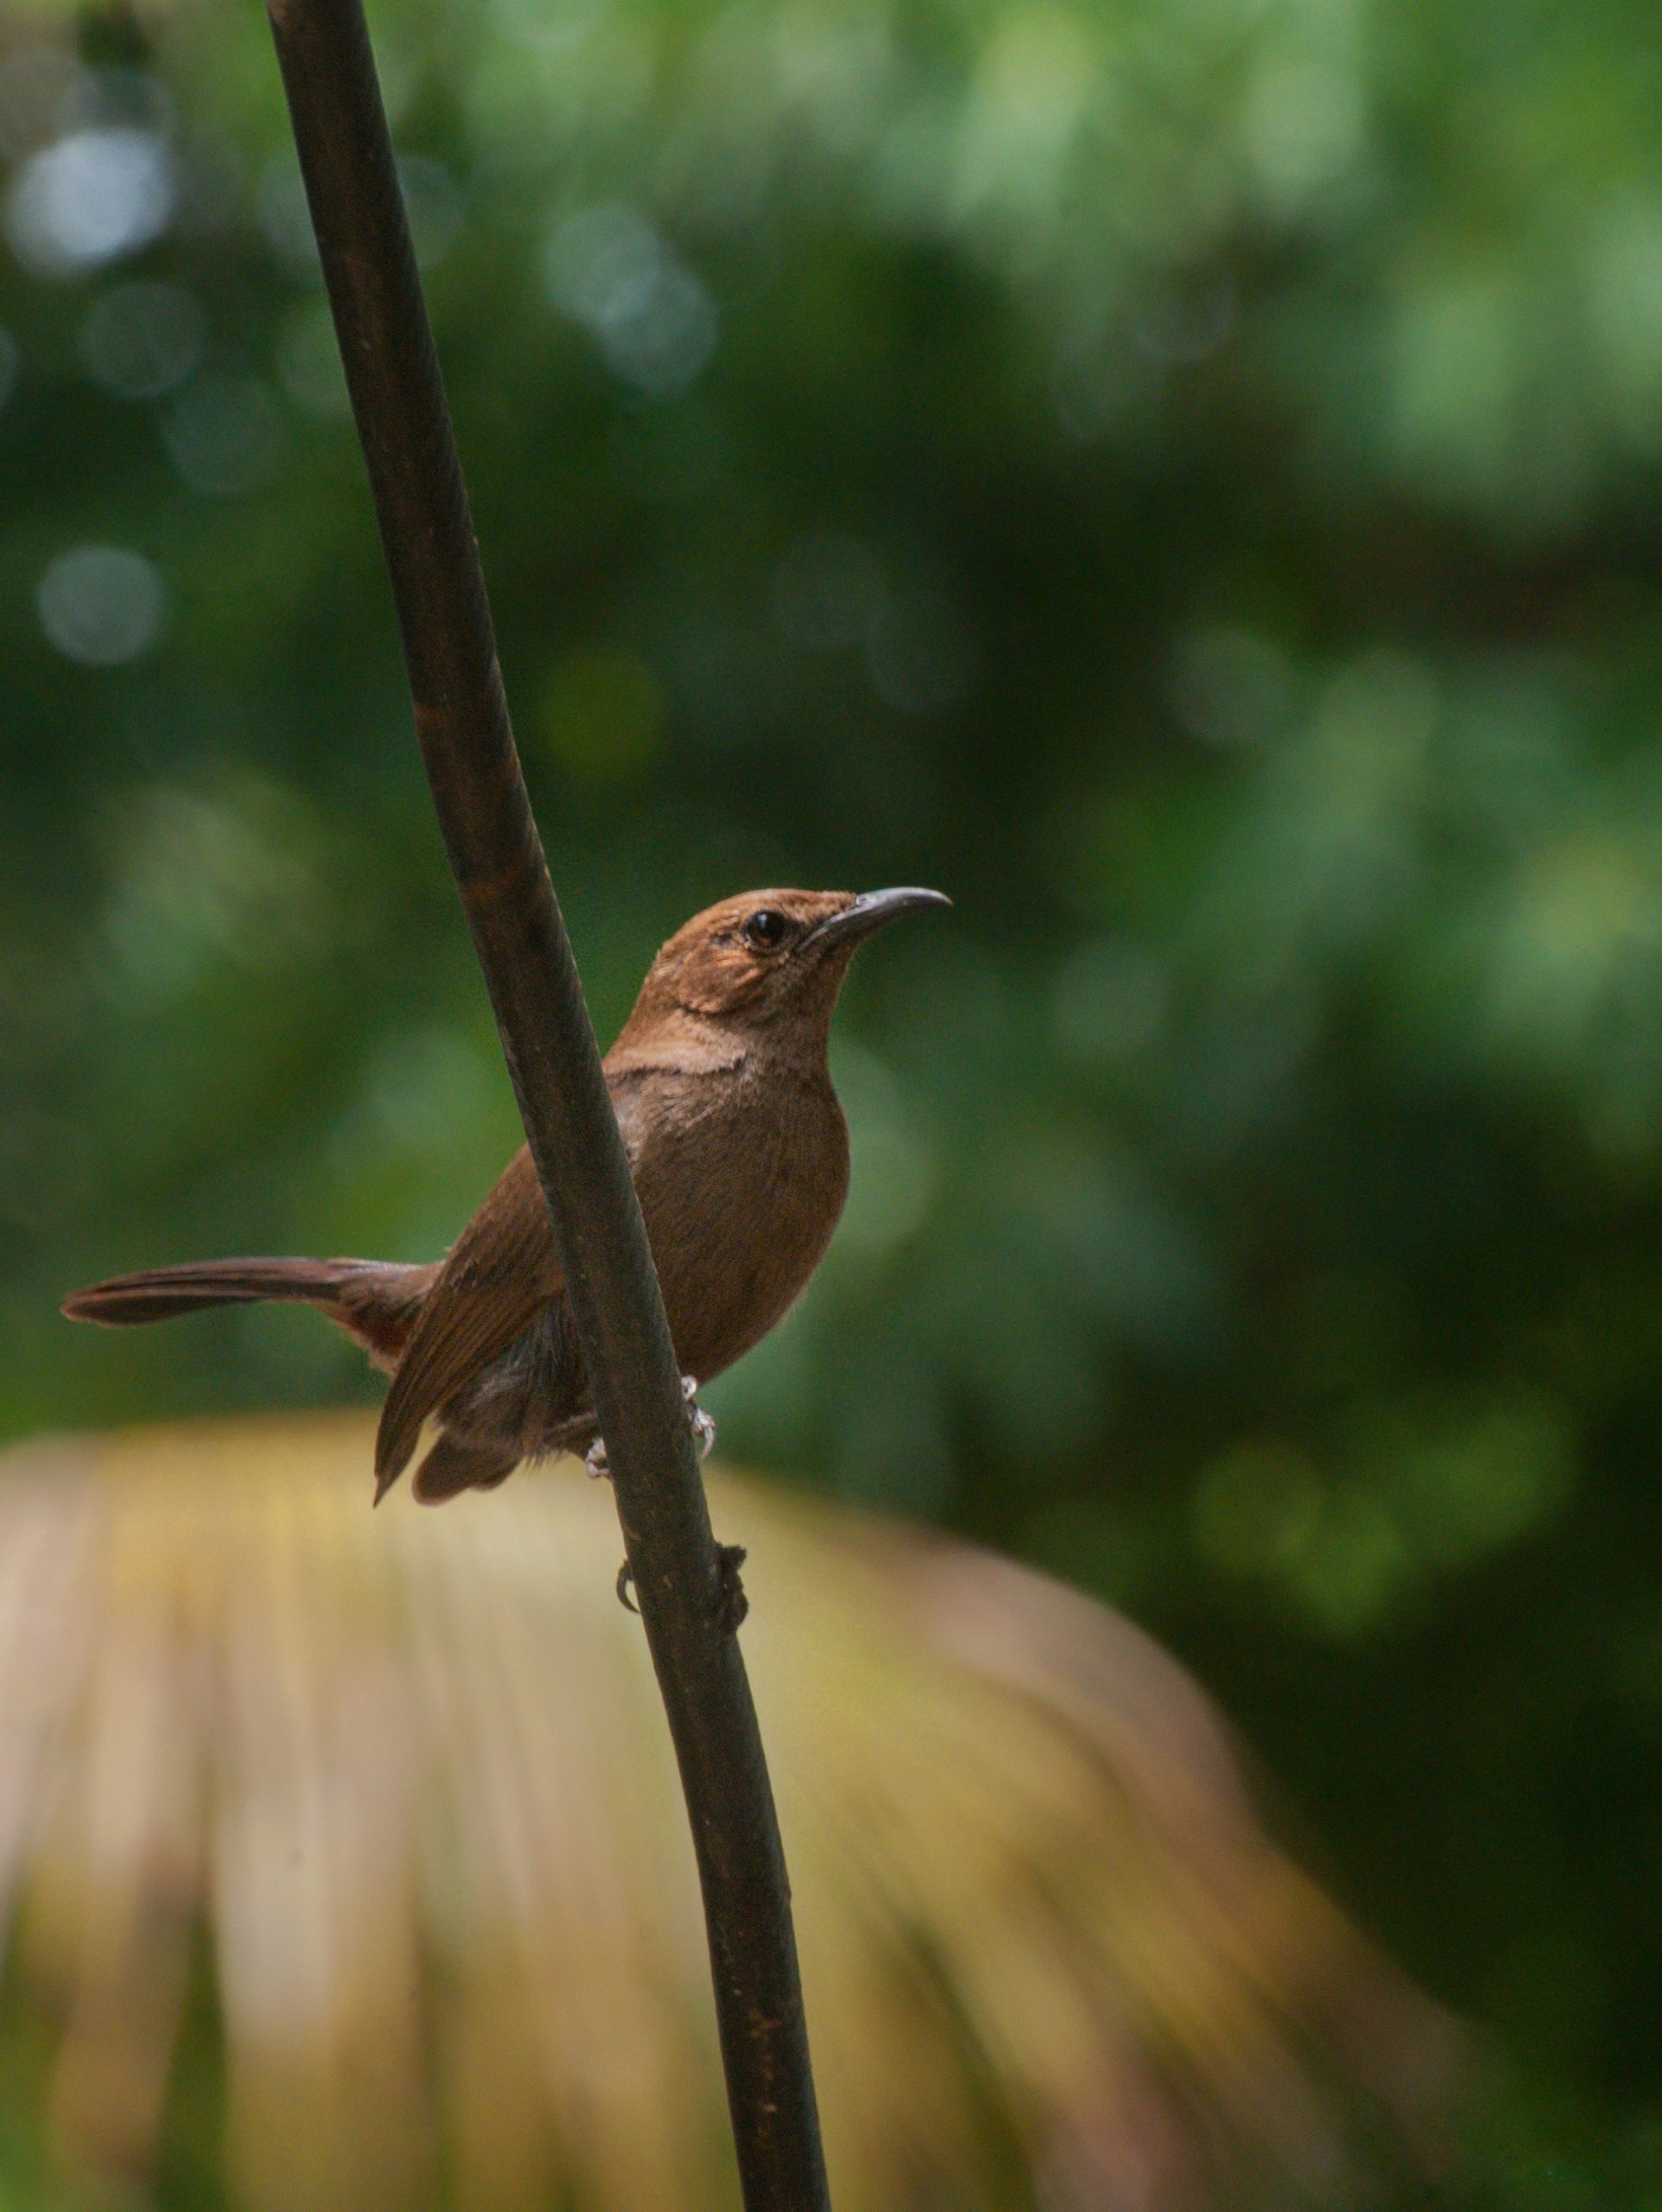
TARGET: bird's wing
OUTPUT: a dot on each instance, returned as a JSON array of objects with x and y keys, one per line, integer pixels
[{"x": 501, "y": 1273}]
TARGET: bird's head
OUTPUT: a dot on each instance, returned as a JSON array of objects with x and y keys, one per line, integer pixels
[{"x": 769, "y": 956}]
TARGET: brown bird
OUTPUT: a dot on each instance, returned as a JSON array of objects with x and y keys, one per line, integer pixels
[{"x": 739, "y": 1153}]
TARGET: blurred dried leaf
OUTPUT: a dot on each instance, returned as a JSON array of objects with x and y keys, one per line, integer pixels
[{"x": 410, "y": 1772}]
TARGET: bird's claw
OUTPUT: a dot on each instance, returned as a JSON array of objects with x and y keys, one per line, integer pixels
[
  {"x": 732, "y": 1604},
  {"x": 729, "y": 1557},
  {"x": 702, "y": 1427}
]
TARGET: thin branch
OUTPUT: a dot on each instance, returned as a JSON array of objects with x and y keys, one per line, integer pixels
[{"x": 478, "y": 790}]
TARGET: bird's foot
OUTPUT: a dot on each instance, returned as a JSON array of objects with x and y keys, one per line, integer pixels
[
  {"x": 625, "y": 1583},
  {"x": 729, "y": 1558},
  {"x": 703, "y": 1427}
]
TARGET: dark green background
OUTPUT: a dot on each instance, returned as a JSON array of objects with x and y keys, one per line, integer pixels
[{"x": 1182, "y": 476}]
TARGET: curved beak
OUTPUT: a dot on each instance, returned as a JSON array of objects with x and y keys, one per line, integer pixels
[{"x": 870, "y": 913}]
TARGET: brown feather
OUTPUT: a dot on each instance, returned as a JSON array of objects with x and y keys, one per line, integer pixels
[
  {"x": 375, "y": 1301},
  {"x": 741, "y": 1158},
  {"x": 501, "y": 1273},
  {"x": 453, "y": 1467}
]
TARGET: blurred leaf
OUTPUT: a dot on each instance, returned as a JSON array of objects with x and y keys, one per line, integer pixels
[{"x": 408, "y": 1772}]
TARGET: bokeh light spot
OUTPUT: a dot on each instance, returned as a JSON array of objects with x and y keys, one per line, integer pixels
[
  {"x": 206, "y": 881},
  {"x": 93, "y": 197},
  {"x": 609, "y": 269},
  {"x": 1304, "y": 128},
  {"x": 102, "y": 605},
  {"x": 139, "y": 340}
]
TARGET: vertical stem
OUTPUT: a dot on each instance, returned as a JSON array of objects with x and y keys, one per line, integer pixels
[{"x": 478, "y": 791}]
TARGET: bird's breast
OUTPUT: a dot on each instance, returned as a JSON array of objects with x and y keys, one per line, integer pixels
[{"x": 742, "y": 1175}]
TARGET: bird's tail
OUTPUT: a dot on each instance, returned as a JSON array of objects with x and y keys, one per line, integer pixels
[{"x": 375, "y": 1301}]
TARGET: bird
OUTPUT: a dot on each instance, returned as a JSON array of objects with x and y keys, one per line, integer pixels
[{"x": 737, "y": 1143}]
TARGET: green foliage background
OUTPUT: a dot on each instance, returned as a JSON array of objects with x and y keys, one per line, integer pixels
[{"x": 1183, "y": 476}]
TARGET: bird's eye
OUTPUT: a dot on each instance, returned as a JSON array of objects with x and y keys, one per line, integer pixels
[{"x": 765, "y": 930}]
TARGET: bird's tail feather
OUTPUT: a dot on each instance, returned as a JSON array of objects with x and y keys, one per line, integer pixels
[
  {"x": 376, "y": 1302},
  {"x": 453, "y": 1466},
  {"x": 158, "y": 1293}
]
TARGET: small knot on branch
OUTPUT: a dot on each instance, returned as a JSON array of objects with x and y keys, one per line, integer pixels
[{"x": 734, "y": 1603}]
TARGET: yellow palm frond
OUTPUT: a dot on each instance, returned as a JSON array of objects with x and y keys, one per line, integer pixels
[{"x": 407, "y": 1773}]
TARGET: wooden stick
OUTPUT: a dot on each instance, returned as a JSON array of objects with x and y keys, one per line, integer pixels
[{"x": 683, "y": 1583}]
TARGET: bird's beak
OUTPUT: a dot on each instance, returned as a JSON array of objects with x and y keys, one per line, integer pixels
[{"x": 869, "y": 913}]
